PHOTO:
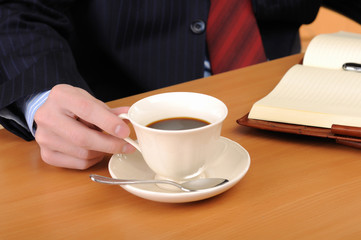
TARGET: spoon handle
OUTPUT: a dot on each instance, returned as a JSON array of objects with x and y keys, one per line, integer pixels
[{"x": 108, "y": 180}]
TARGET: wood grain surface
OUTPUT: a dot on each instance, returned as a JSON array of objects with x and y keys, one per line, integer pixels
[{"x": 298, "y": 187}]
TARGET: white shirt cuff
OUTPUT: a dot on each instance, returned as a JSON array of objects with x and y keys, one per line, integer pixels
[{"x": 31, "y": 105}]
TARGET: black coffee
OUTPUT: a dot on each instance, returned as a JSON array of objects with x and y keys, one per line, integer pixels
[{"x": 179, "y": 123}]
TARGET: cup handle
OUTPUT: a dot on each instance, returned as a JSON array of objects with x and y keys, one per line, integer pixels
[{"x": 128, "y": 139}]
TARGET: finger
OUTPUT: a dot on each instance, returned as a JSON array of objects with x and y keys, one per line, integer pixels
[
  {"x": 58, "y": 159},
  {"x": 77, "y": 101},
  {"x": 68, "y": 128},
  {"x": 53, "y": 142},
  {"x": 88, "y": 124},
  {"x": 116, "y": 111},
  {"x": 84, "y": 137},
  {"x": 119, "y": 110}
]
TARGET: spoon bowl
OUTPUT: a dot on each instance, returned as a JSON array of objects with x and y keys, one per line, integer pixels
[{"x": 188, "y": 186}]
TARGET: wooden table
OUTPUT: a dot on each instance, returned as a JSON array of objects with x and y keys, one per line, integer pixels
[{"x": 297, "y": 187}]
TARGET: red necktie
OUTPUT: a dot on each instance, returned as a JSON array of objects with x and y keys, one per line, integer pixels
[{"x": 233, "y": 36}]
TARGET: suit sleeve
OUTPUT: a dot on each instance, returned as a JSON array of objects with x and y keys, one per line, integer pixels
[{"x": 34, "y": 55}]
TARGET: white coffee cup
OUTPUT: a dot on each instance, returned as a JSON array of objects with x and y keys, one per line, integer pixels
[{"x": 177, "y": 155}]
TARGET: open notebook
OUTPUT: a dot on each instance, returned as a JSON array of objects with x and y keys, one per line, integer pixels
[{"x": 317, "y": 96}]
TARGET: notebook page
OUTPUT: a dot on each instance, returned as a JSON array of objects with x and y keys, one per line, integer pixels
[
  {"x": 333, "y": 50},
  {"x": 313, "y": 96}
]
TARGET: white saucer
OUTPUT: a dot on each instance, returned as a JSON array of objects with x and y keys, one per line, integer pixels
[{"x": 233, "y": 163}]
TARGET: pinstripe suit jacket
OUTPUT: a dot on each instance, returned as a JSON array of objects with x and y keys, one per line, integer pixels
[{"x": 115, "y": 48}]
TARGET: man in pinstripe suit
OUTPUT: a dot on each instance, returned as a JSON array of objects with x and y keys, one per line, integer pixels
[{"x": 89, "y": 52}]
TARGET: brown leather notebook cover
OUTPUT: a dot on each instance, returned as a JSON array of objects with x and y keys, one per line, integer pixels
[{"x": 350, "y": 136}]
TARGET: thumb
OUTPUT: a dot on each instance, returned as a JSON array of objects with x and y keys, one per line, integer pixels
[{"x": 119, "y": 110}]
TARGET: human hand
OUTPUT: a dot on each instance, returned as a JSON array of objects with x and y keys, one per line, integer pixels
[{"x": 75, "y": 130}]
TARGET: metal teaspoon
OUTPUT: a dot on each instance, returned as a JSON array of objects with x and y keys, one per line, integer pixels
[{"x": 189, "y": 186}]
